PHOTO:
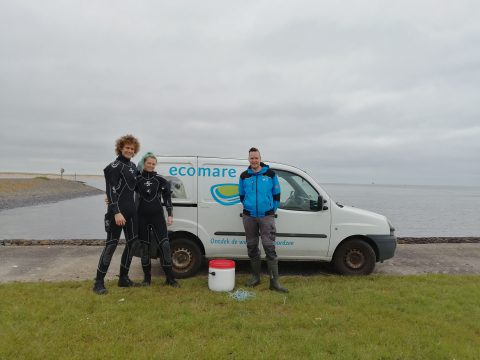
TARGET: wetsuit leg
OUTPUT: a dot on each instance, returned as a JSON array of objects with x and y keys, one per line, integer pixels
[
  {"x": 160, "y": 234},
  {"x": 113, "y": 237},
  {"x": 161, "y": 237},
  {"x": 131, "y": 237},
  {"x": 144, "y": 237}
]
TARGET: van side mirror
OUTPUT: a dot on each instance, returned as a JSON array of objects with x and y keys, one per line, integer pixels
[{"x": 320, "y": 202}]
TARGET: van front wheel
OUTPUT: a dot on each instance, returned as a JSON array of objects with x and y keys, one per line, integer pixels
[
  {"x": 186, "y": 258},
  {"x": 354, "y": 257}
]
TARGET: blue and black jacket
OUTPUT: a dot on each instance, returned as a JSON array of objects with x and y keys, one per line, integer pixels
[{"x": 259, "y": 192}]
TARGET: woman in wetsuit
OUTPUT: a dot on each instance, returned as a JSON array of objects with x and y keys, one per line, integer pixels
[
  {"x": 120, "y": 180},
  {"x": 152, "y": 229}
]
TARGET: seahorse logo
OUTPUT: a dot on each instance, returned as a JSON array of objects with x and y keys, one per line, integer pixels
[{"x": 225, "y": 194}]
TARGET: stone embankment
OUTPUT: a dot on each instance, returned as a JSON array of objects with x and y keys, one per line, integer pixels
[{"x": 100, "y": 242}]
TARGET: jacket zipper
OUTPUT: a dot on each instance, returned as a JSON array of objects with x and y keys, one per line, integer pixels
[{"x": 256, "y": 192}]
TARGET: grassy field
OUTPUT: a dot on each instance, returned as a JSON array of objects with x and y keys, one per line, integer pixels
[{"x": 332, "y": 317}]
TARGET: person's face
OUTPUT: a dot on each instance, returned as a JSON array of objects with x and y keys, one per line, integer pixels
[
  {"x": 254, "y": 159},
  {"x": 149, "y": 164},
  {"x": 128, "y": 150}
]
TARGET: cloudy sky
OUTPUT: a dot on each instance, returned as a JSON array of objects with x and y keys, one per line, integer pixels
[{"x": 351, "y": 91}]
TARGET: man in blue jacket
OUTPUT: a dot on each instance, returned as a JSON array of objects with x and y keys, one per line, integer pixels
[{"x": 260, "y": 195}]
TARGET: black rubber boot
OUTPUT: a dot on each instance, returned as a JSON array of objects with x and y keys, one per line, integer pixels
[
  {"x": 124, "y": 281},
  {"x": 99, "y": 287},
  {"x": 273, "y": 272},
  {"x": 147, "y": 271},
  {"x": 147, "y": 279},
  {"x": 256, "y": 265},
  {"x": 170, "y": 280}
]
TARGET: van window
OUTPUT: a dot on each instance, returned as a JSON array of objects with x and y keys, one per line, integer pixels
[
  {"x": 177, "y": 187},
  {"x": 296, "y": 193}
]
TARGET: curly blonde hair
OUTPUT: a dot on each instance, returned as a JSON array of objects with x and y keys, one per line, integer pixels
[{"x": 126, "y": 139}]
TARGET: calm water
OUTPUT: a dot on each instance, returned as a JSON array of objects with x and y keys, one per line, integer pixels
[
  {"x": 413, "y": 210},
  {"x": 417, "y": 210}
]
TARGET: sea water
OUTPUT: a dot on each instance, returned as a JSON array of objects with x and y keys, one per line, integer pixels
[{"x": 418, "y": 211}]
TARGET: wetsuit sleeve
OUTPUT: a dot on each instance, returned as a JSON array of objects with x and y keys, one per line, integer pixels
[
  {"x": 276, "y": 193},
  {"x": 241, "y": 191},
  {"x": 112, "y": 177},
  {"x": 167, "y": 197}
]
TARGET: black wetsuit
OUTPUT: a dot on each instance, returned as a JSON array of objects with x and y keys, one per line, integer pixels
[
  {"x": 151, "y": 189},
  {"x": 120, "y": 179}
]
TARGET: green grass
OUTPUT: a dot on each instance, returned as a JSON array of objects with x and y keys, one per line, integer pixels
[{"x": 374, "y": 317}]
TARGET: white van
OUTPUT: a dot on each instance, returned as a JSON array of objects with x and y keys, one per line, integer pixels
[{"x": 310, "y": 225}]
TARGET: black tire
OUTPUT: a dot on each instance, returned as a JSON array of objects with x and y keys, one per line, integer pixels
[
  {"x": 354, "y": 257},
  {"x": 186, "y": 258}
]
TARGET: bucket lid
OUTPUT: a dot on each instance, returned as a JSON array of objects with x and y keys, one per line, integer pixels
[{"x": 222, "y": 264}]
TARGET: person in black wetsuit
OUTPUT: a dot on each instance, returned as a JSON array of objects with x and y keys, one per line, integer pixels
[
  {"x": 120, "y": 179},
  {"x": 151, "y": 189}
]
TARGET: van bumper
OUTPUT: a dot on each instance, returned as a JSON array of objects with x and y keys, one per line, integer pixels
[{"x": 386, "y": 245}]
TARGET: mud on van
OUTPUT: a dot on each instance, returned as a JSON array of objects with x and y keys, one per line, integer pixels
[{"x": 310, "y": 225}]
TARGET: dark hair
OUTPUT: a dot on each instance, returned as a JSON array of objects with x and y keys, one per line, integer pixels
[
  {"x": 126, "y": 139},
  {"x": 253, "y": 149}
]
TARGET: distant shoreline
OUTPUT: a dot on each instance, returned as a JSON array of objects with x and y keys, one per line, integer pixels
[
  {"x": 74, "y": 176},
  {"x": 28, "y": 175},
  {"x": 21, "y": 192}
]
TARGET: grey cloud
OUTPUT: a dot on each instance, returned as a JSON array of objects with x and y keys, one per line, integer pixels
[{"x": 357, "y": 91}]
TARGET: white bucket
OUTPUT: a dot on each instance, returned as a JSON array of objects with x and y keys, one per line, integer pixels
[{"x": 221, "y": 275}]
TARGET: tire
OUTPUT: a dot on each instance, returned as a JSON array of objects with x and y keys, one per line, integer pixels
[
  {"x": 186, "y": 258},
  {"x": 354, "y": 257}
]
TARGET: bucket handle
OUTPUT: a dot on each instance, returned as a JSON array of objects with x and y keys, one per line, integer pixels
[{"x": 212, "y": 273}]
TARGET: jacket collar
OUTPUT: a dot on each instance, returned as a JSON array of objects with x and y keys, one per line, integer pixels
[
  {"x": 264, "y": 166},
  {"x": 148, "y": 174},
  {"x": 123, "y": 159}
]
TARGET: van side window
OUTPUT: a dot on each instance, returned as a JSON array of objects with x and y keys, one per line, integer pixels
[
  {"x": 177, "y": 187},
  {"x": 296, "y": 193}
]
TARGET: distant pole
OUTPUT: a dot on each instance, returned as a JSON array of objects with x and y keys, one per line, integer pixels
[{"x": 62, "y": 170}]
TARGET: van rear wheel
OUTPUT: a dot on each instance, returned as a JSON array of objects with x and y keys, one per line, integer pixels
[
  {"x": 354, "y": 257},
  {"x": 186, "y": 258}
]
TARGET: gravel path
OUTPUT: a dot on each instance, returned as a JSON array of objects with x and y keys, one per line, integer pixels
[
  {"x": 27, "y": 192},
  {"x": 61, "y": 263}
]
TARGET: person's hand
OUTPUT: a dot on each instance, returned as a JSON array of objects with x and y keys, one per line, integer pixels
[
  {"x": 169, "y": 220},
  {"x": 120, "y": 220}
]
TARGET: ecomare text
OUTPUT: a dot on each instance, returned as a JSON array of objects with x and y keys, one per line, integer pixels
[{"x": 191, "y": 171}]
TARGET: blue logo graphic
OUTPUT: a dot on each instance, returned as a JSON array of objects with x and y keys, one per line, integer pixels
[{"x": 225, "y": 194}]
